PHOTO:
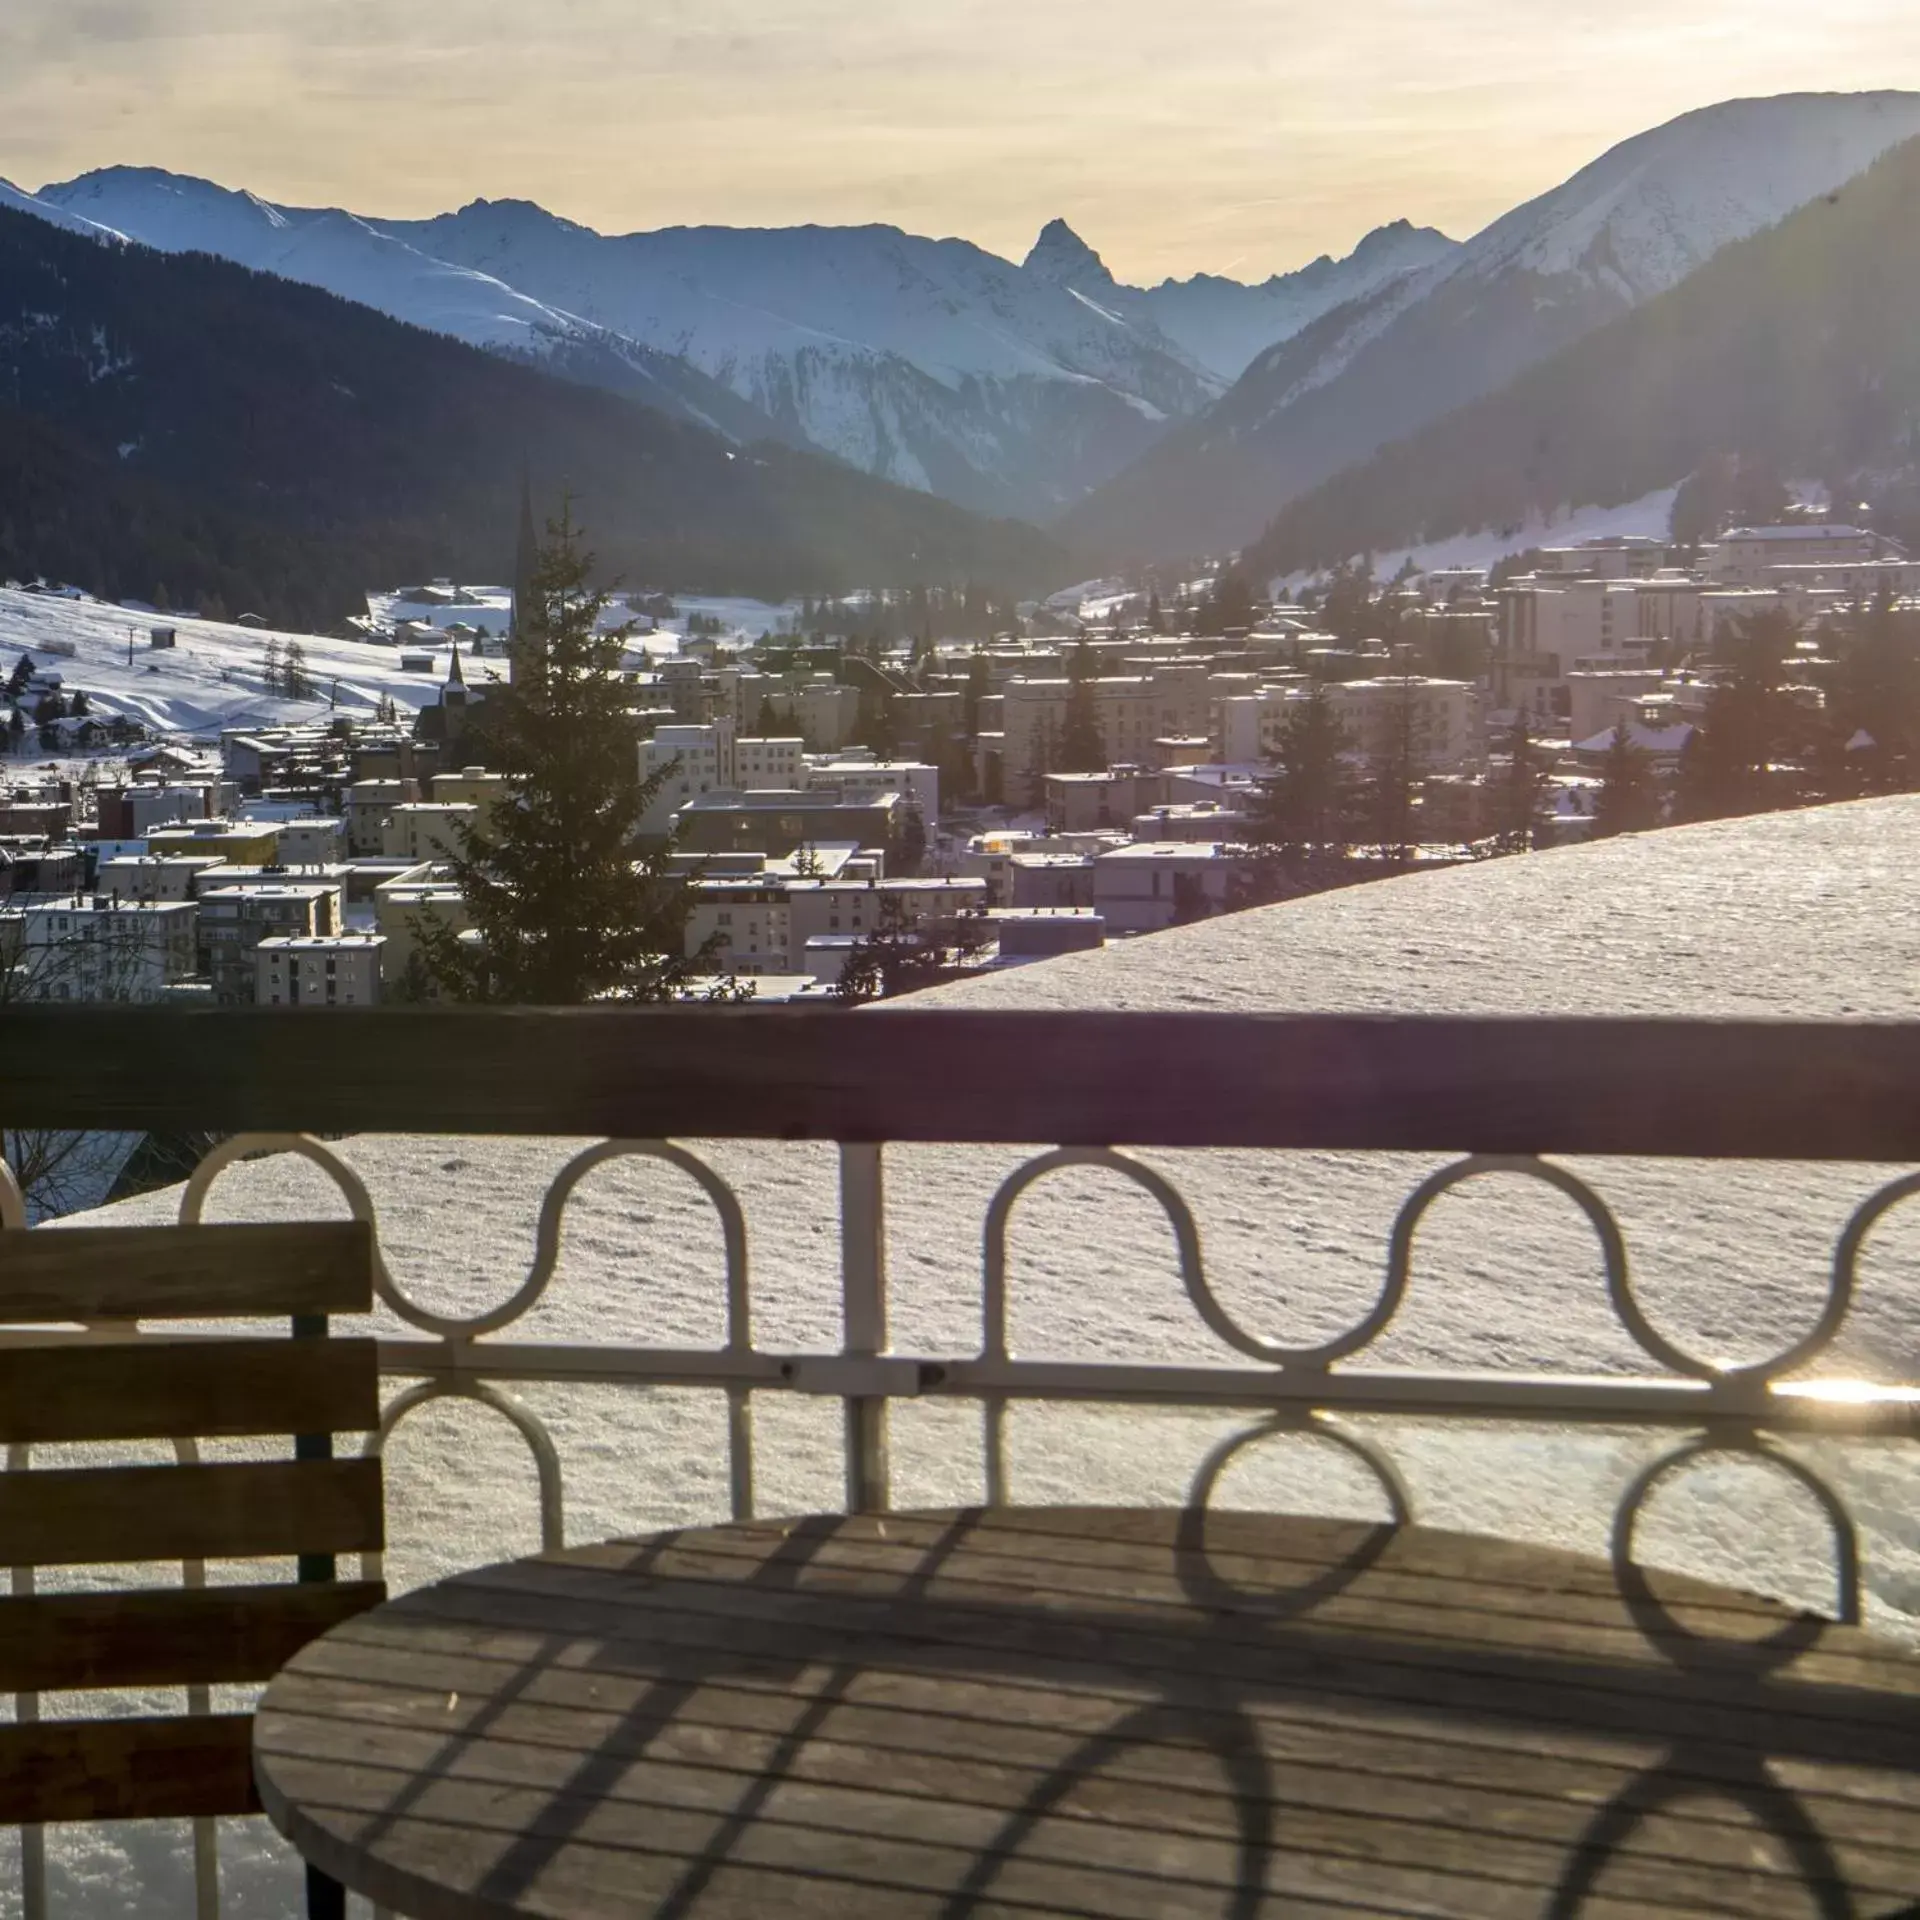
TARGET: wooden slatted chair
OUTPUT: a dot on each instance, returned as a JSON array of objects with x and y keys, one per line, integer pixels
[{"x": 308, "y": 1508}]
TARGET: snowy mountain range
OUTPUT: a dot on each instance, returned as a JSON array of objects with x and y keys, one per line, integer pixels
[
  {"x": 1791, "y": 353},
  {"x": 349, "y": 257},
  {"x": 1150, "y": 422},
  {"x": 1014, "y": 388},
  {"x": 1223, "y": 325},
  {"x": 1632, "y": 225}
]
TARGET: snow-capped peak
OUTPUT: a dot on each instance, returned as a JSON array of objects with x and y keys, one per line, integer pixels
[
  {"x": 1646, "y": 214},
  {"x": 1062, "y": 257},
  {"x": 16, "y": 200}
]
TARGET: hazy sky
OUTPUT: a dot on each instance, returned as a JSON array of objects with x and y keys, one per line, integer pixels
[{"x": 1239, "y": 136}]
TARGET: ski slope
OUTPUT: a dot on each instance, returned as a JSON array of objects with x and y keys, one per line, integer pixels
[{"x": 214, "y": 676}]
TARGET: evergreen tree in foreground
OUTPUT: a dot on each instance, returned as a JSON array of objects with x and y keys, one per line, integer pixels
[{"x": 566, "y": 906}]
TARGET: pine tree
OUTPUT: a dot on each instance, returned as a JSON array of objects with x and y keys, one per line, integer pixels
[
  {"x": 273, "y": 671},
  {"x": 1878, "y": 694},
  {"x": 975, "y": 691},
  {"x": 1520, "y": 792},
  {"x": 1082, "y": 747},
  {"x": 1728, "y": 765},
  {"x": 1393, "y": 780},
  {"x": 567, "y": 908},
  {"x": 766, "y": 722},
  {"x": 913, "y": 839},
  {"x": 1042, "y": 758},
  {"x": 1307, "y": 807},
  {"x": 1228, "y": 605},
  {"x": 1156, "y": 618},
  {"x": 16, "y": 730},
  {"x": 1628, "y": 801},
  {"x": 21, "y": 674},
  {"x": 294, "y": 672},
  {"x": 899, "y": 956}
]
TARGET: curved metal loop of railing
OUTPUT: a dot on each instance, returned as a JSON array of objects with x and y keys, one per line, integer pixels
[
  {"x": 546, "y": 1256},
  {"x": 1658, "y": 1622},
  {"x": 549, "y": 1474},
  {"x": 13, "y": 1203},
  {"x": 726, "y": 1203},
  {"x": 1846, "y": 1270},
  {"x": 1186, "y": 1233},
  {"x": 1600, "y": 1216},
  {"x": 241, "y": 1146},
  {"x": 21, "y": 1581}
]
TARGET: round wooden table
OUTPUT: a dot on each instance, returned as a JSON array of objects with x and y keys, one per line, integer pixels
[{"x": 1096, "y": 1712}]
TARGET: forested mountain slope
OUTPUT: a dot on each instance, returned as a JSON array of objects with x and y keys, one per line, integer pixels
[
  {"x": 172, "y": 418},
  {"x": 1631, "y": 226},
  {"x": 1796, "y": 350}
]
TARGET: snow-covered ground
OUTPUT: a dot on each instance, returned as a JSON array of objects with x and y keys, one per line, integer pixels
[
  {"x": 212, "y": 677},
  {"x": 1808, "y": 914},
  {"x": 214, "y": 674},
  {"x": 1649, "y": 517}
]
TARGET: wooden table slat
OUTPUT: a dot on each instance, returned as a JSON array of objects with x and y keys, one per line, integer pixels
[
  {"x": 1517, "y": 1835},
  {"x": 920, "y": 1713},
  {"x": 1072, "y": 1713},
  {"x": 1419, "y": 1609},
  {"x": 725, "y": 1618}
]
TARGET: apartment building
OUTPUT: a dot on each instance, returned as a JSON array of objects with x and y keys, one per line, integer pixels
[
  {"x": 319, "y": 970},
  {"x": 154, "y": 876},
  {"x": 423, "y": 830},
  {"x": 764, "y": 764},
  {"x": 469, "y": 787},
  {"x": 234, "y": 920},
  {"x": 241, "y": 843},
  {"x": 1440, "y": 723},
  {"x": 315, "y": 842},
  {"x": 405, "y": 904},
  {"x": 695, "y": 758},
  {"x": 1746, "y": 556},
  {"x": 765, "y": 923},
  {"x": 848, "y": 774},
  {"x": 90, "y": 947},
  {"x": 1142, "y": 889},
  {"x": 367, "y": 804},
  {"x": 778, "y": 824}
]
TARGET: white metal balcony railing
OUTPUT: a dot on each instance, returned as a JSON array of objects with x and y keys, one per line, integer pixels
[{"x": 1410, "y": 1093}]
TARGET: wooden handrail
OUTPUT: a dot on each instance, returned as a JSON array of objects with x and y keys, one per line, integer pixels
[{"x": 1707, "y": 1089}]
